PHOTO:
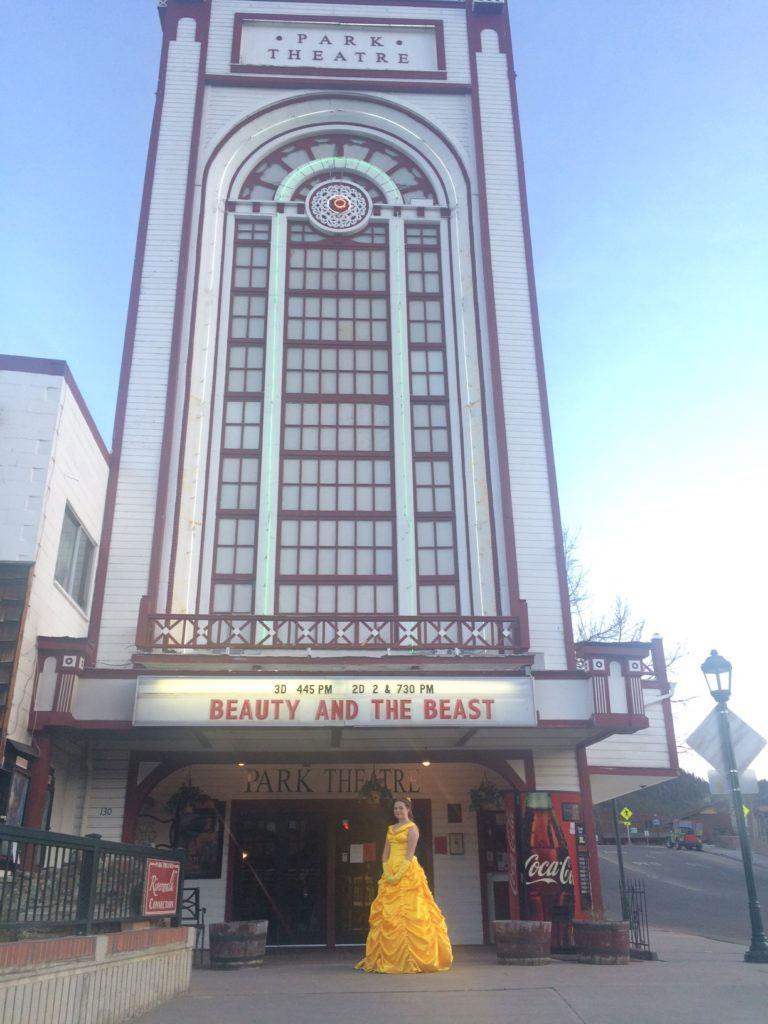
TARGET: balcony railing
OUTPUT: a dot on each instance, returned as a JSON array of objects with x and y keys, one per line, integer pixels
[{"x": 166, "y": 632}]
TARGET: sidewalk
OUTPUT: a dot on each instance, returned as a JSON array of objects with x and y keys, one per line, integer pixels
[
  {"x": 696, "y": 981},
  {"x": 758, "y": 859}
]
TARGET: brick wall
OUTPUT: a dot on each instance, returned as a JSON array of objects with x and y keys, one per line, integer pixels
[
  {"x": 29, "y": 953},
  {"x": 101, "y": 979}
]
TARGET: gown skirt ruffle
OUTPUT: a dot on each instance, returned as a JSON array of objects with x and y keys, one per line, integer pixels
[{"x": 407, "y": 931}]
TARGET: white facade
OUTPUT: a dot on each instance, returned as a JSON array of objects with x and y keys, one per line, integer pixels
[
  {"x": 235, "y": 122},
  {"x": 410, "y": 110},
  {"x": 50, "y": 457}
]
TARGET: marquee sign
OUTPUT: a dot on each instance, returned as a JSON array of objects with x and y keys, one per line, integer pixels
[
  {"x": 253, "y": 702},
  {"x": 319, "y": 45}
]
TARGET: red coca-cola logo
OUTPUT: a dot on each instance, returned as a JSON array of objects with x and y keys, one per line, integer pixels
[{"x": 551, "y": 872}]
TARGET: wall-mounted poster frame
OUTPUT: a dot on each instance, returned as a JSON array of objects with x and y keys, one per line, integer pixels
[
  {"x": 456, "y": 844},
  {"x": 454, "y": 814},
  {"x": 201, "y": 836}
]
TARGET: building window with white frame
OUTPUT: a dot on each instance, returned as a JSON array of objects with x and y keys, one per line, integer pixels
[{"x": 75, "y": 560}]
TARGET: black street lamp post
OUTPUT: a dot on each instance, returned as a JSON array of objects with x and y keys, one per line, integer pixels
[{"x": 717, "y": 672}]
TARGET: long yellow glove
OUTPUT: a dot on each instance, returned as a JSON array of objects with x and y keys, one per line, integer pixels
[{"x": 393, "y": 877}]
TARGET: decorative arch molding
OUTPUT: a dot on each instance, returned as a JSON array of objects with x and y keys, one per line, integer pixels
[
  {"x": 234, "y": 157},
  {"x": 236, "y": 153},
  {"x": 186, "y": 30},
  {"x": 351, "y": 151},
  {"x": 340, "y": 165}
]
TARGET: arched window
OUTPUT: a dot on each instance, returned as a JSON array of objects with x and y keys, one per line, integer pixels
[
  {"x": 336, "y": 483},
  {"x": 265, "y": 178}
]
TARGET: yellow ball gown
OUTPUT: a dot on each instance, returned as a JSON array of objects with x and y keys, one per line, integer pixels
[{"x": 407, "y": 933}]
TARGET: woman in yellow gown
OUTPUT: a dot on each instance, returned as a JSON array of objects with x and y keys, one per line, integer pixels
[{"x": 407, "y": 932}]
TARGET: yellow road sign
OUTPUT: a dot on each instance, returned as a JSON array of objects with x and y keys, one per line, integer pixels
[
  {"x": 745, "y": 809},
  {"x": 626, "y": 814}
]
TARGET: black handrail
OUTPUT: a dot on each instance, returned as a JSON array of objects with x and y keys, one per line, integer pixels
[{"x": 54, "y": 880}]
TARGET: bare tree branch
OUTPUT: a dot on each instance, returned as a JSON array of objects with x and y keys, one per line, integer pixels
[
  {"x": 616, "y": 626},
  {"x": 576, "y": 575},
  {"x": 674, "y": 655}
]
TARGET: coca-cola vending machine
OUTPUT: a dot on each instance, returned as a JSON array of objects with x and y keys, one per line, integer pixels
[{"x": 546, "y": 869}]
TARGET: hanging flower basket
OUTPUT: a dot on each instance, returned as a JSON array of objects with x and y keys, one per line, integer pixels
[
  {"x": 186, "y": 798},
  {"x": 191, "y": 809},
  {"x": 375, "y": 792},
  {"x": 485, "y": 797}
]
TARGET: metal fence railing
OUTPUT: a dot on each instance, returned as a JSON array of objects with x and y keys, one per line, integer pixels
[
  {"x": 51, "y": 880},
  {"x": 635, "y": 908}
]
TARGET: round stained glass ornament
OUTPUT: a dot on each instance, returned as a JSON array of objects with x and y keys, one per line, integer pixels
[{"x": 339, "y": 207}]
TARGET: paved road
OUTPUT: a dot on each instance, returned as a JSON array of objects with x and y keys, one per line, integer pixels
[{"x": 688, "y": 891}]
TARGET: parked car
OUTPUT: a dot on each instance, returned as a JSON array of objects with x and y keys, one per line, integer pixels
[{"x": 685, "y": 841}]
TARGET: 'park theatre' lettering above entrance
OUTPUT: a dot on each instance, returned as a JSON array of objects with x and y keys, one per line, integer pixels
[{"x": 406, "y": 49}]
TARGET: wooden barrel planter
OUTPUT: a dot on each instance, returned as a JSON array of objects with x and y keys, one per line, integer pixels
[
  {"x": 525, "y": 943},
  {"x": 602, "y": 942},
  {"x": 238, "y": 943}
]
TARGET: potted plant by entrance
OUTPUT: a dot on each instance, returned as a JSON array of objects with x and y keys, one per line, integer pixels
[
  {"x": 238, "y": 943},
  {"x": 599, "y": 941},
  {"x": 485, "y": 797},
  {"x": 525, "y": 943}
]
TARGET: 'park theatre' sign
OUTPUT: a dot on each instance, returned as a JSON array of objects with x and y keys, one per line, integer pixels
[
  {"x": 258, "y": 702},
  {"x": 405, "y": 49}
]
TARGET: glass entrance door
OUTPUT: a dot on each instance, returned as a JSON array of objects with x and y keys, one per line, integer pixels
[
  {"x": 279, "y": 873},
  {"x": 359, "y": 834},
  {"x": 311, "y": 869}
]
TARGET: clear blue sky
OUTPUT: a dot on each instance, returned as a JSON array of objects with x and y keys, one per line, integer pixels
[{"x": 645, "y": 129}]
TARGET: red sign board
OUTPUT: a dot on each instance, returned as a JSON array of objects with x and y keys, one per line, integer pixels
[
  {"x": 369, "y": 853},
  {"x": 161, "y": 887}
]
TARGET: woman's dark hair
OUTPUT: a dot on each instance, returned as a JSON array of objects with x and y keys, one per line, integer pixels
[{"x": 404, "y": 800}]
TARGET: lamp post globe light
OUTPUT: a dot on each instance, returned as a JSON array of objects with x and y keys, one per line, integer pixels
[{"x": 717, "y": 672}]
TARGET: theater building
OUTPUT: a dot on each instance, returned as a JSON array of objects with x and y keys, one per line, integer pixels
[{"x": 331, "y": 567}]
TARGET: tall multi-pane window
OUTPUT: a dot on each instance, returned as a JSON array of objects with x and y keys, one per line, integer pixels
[
  {"x": 238, "y": 487},
  {"x": 336, "y": 505},
  {"x": 436, "y": 571},
  {"x": 353, "y": 343}
]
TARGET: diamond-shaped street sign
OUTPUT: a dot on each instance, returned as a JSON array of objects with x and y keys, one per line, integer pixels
[
  {"x": 705, "y": 740},
  {"x": 626, "y": 814},
  {"x": 745, "y": 809}
]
